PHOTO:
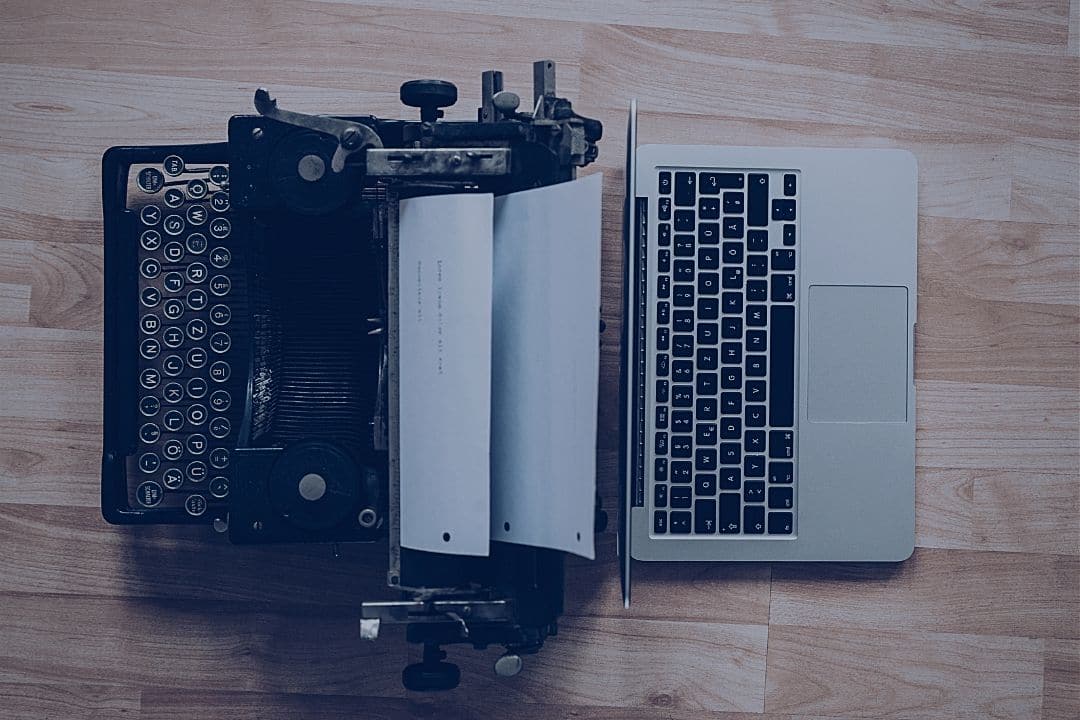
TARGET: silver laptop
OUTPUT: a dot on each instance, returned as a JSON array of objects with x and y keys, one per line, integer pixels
[{"x": 770, "y": 404}]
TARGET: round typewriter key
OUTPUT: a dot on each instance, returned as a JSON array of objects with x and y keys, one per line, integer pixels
[
  {"x": 150, "y": 214},
  {"x": 196, "y": 272},
  {"x": 195, "y": 504},
  {"x": 196, "y": 214},
  {"x": 150, "y": 240},
  {"x": 150, "y": 180},
  {"x": 219, "y": 371},
  {"x": 174, "y": 282},
  {"x": 220, "y": 314},
  {"x": 220, "y": 427},
  {"x": 174, "y": 165},
  {"x": 196, "y": 329},
  {"x": 219, "y": 175},
  {"x": 173, "y": 252},
  {"x": 220, "y": 400},
  {"x": 220, "y": 227},
  {"x": 149, "y": 378},
  {"x": 220, "y": 257},
  {"x": 149, "y": 348},
  {"x": 173, "y": 392},
  {"x": 196, "y": 388},
  {"x": 150, "y": 268},
  {"x": 219, "y": 458},
  {"x": 196, "y": 357},
  {"x": 149, "y": 433},
  {"x": 220, "y": 285},
  {"x": 149, "y": 324},
  {"x": 173, "y": 337},
  {"x": 150, "y": 296},
  {"x": 196, "y": 444},
  {"x": 148, "y": 462},
  {"x": 196, "y": 414},
  {"x": 220, "y": 342},
  {"x": 196, "y": 189},
  {"x": 219, "y": 201},
  {"x": 173, "y": 420},
  {"x": 196, "y": 243},
  {"x": 149, "y": 493},
  {"x": 196, "y": 299},
  {"x": 219, "y": 487},
  {"x": 196, "y": 471},
  {"x": 173, "y": 365},
  {"x": 149, "y": 406},
  {"x": 172, "y": 449},
  {"x": 174, "y": 198},
  {"x": 173, "y": 225},
  {"x": 172, "y": 478},
  {"x": 173, "y": 309}
]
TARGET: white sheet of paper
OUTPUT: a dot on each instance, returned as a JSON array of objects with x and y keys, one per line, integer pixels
[
  {"x": 444, "y": 331},
  {"x": 545, "y": 366}
]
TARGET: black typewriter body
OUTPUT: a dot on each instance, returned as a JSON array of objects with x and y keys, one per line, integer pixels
[{"x": 247, "y": 377}]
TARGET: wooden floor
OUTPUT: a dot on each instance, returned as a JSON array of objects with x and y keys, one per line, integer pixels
[{"x": 983, "y": 621}]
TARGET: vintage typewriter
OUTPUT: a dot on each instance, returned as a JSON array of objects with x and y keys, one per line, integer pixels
[{"x": 249, "y": 357}]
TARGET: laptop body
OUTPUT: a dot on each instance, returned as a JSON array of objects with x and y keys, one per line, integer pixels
[{"x": 769, "y": 401}]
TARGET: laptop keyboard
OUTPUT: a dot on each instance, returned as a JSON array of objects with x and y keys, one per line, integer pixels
[{"x": 723, "y": 428}]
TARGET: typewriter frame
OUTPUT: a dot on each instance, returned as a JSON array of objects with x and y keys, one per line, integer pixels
[{"x": 514, "y": 596}]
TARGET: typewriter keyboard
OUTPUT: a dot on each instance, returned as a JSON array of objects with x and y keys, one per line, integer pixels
[
  {"x": 191, "y": 376},
  {"x": 725, "y": 249}
]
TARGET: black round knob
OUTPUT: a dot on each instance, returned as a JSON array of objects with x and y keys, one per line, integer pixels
[
  {"x": 429, "y": 677},
  {"x": 429, "y": 96}
]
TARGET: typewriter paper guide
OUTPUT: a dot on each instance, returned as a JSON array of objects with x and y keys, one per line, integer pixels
[
  {"x": 545, "y": 365},
  {"x": 444, "y": 335}
]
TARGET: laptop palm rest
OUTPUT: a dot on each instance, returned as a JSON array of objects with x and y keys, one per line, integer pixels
[{"x": 858, "y": 345}]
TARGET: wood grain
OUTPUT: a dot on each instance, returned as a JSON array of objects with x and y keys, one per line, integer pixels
[{"x": 171, "y": 623}]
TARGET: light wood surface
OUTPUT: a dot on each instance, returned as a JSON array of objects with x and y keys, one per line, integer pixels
[{"x": 983, "y": 621}]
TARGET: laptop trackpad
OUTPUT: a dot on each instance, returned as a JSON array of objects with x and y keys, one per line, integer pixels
[{"x": 858, "y": 354}]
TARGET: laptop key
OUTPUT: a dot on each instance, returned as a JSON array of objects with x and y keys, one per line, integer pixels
[
  {"x": 732, "y": 278},
  {"x": 705, "y": 459},
  {"x": 705, "y": 517},
  {"x": 706, "y": 408},
  {"x": 733, "y": 253},
  {"x": 731, "y": 403},
  {"x": 684, "y": 246},
  {"x": 757, "y": 209},
  {"x": 753, "y": 491},
  {"x": 781, "y": 444},
  {"x": 705, "y": 484},
  {"x": 660, "y": 446},
  {"x": 664, "y": 208},
  {"x": 708, "y": 233},
  {"x": 680, "y": 522},
  {"x": 663, "y": 235},
  {"x": 730, "y": 478},
  {"x": 782, "y": 288},
  {"x": 754, "y": 441},
  {"x": 682, "y": 421},
  {"x": 754, "y": 519},
  {"x": 757, "y": 241},
  {"x": 682, "y": 447},
  {"x": 730, "y": 428},
  {"x": 707, "y": 358},
  {"x": 660, "y": 495},
  {"x": 664, "y": 183},
  {"x": 706, "y": 383},
  {"x": 683, "y": 371},
  {"x": 708, "y": 308},
  {"x": 783, "y": 210},
  {"x": 712, "y": 182},
  {"x": 659, "y": 524},
  {"x": 709, "y": 257},
  {"x": 708, "y": 333},
  {"x": 779, "y": 523},
  {"x": 780, "y": 498},
  {"x": 685, "y": 188},
  {"x": 782, "y": 366},
  {"x": 733, "y": 228},
  {"x": 684, "y": 321},
  {"x": 783, "y": 259},
  {"x": 682, "y": 497},
  {"x": 663, "y": 260},
  {"x": 730, "y": 453},
  {"x": 781, "y": 472},
  {"x": 683, "y": 296},
  {"x": 757, "y": 265},
  {"x": 709, "y": 208},
  {"x": 729, "y": 513},
  {"x": 683, "y": 346},
  {"x": 662, "y": 338},
  {"x": 756, "y": 291},
  {"x": 660, "y": 470},
  {"x": 755, "y": 340},
  {"x": 663, "y": 312},
  {"x": 661, "y": 391},
  {"x": 661, "y": 417},
  {"x": 754, "y": 466},
  {"x": 663, "y": 286},
  {"x": 708, "y": 283},
  {"x": 706, "y": 434},
  {"x": 755, "y": 391},
  {"x": 789, "y": 184},
  {"x": 684, "y": 271},
  {"x": 789, "y": 235},
  {"x": 684, "y": 221},
  {"x": 733, "y": 203},
  {"x": 681, "y": 471},
  {"x": 683, "y": 396}
]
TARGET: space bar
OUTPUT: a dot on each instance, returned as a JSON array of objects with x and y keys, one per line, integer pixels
[{"x": 782, "y": 366}]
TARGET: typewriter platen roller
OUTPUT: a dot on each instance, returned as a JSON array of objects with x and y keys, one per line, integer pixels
[{"x": 248, "y": 372}]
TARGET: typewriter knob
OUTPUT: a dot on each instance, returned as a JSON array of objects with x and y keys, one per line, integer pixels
[{"x": 429, "y": 96}]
